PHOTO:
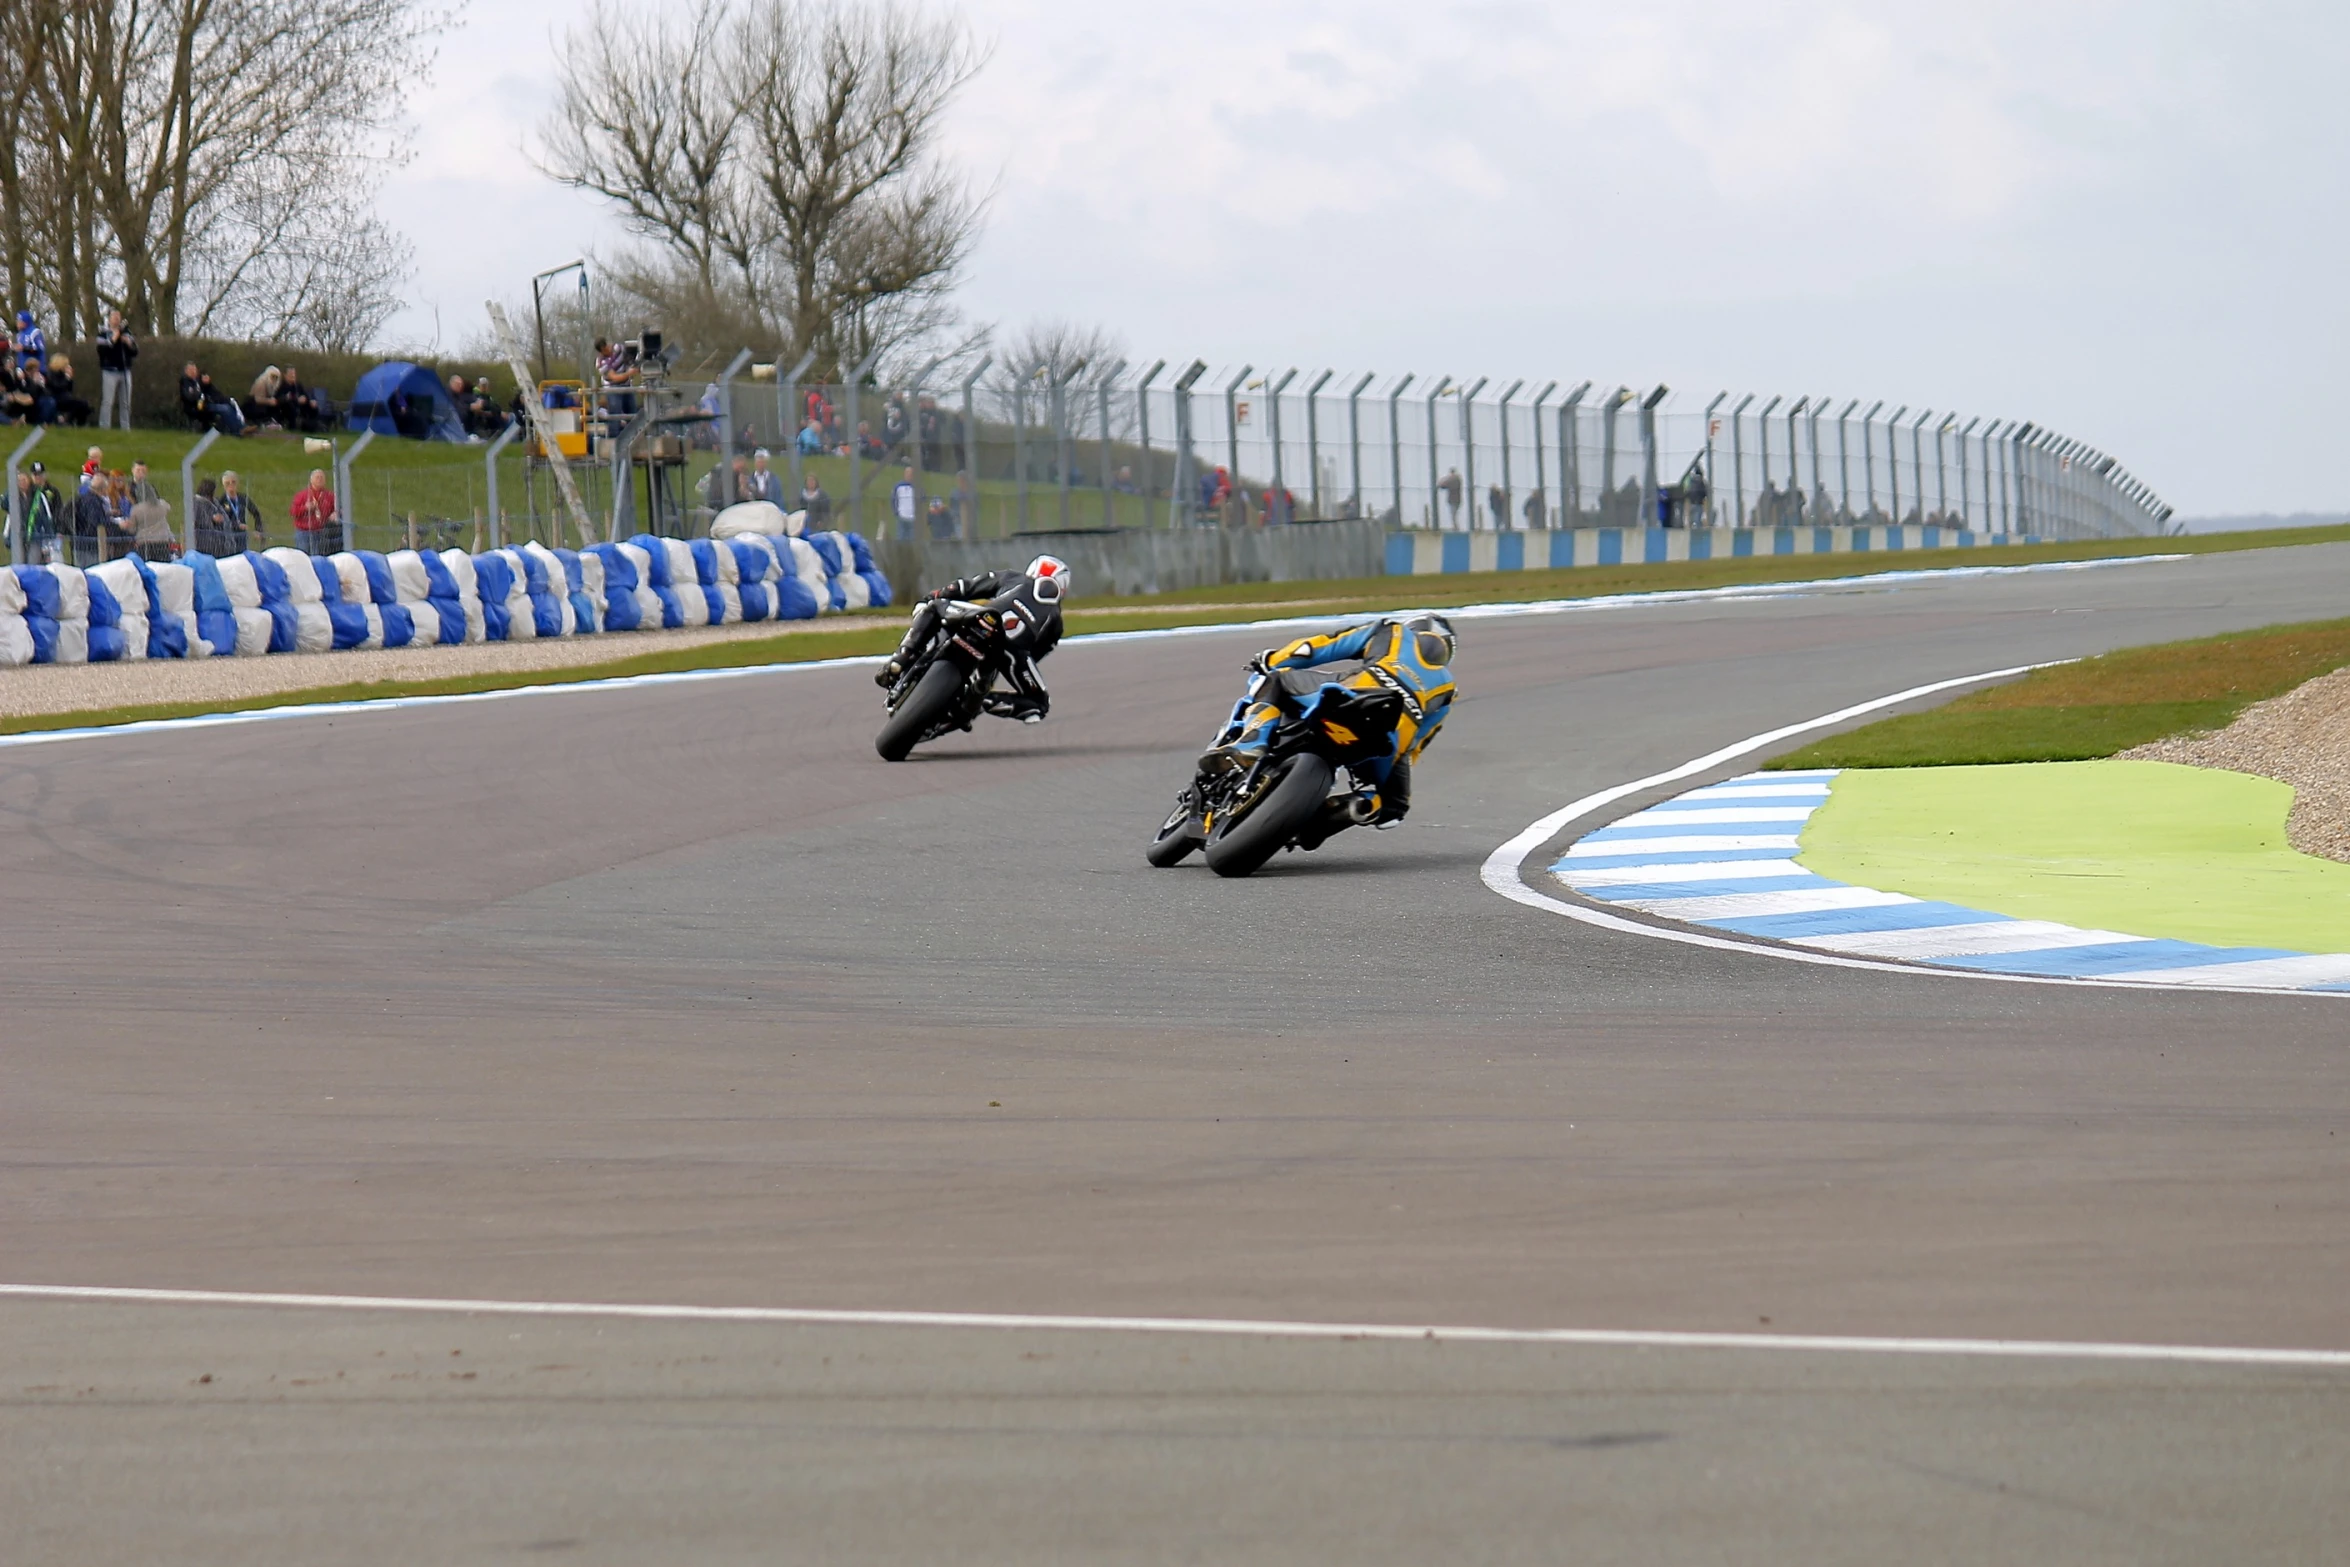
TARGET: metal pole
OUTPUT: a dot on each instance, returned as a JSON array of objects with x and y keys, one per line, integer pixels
[
  {"x": 1868, "y": 451},
  {"x": 1942, "y": 465},
  {"x": 346, "y": 502},
  {"x": 1811, "y": 433},
  {"x": 1354, "y": 443},
  {"x": 187, "y": 491},
  {"x": 1395, "y": 444},
  {"x": 787, "y": 393},
  {"x": 1965, "y": 499},
  {"x": 1435, "y": 501},
  {"x": 1893, "y": 464},
  {"x": 1738, "y": 457},
  {"x": 967, "y": 493},
  {"x": 1186, "y": 487},
  {"x": 490, "y": 461},
  {"x": 1571, "y": 454},
  {"x": 1273, "y": 426},
  {"x": 1917, "y": 458},
  {"x": 1794, "y": 476},
  {"x": 1314, "y": 440},
  {"x": 1232, "y": 427},
  {"x": 1148, "y": 485},
  {"x": 1063, "y": 448},
  {"x": 1762, "y": 422},
  {"x": 1508, "y": 491},
  {"x": 1101, "y": 392},
  {"x": 16, "y": 510},
  {"x": 1475, "y": 502},
  {"x": 1650, "y": 491},
  {"x": 1844, "y": 461},
  {"x": 857, "y": 444},
  {"x": 725, "y": 484},
  {"x": 1541, "y": 478}
]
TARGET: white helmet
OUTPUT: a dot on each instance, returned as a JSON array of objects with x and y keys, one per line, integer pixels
[{"x": 1050, "y": 569}]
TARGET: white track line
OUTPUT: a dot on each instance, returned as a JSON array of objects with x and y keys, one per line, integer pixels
[
  {"x": 1501, "y": 871},
  {"x": 1748, "y": 591},
  {"x": 1226, "y": 1327}
]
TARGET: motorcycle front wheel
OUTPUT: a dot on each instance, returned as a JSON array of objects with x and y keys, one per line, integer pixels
[
  {"x": 925, "y": 707},
  {"x": 1240, "y": 847},
  {"x": 1176, "y": 840}
]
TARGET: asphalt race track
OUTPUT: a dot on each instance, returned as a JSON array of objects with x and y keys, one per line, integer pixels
[{"x": 677, "y": 994}]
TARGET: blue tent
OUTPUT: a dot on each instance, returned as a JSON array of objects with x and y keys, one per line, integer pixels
[{"x": 404, "y": 399}]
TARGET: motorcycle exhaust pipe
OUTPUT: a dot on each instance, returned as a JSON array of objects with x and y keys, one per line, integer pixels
[{"x": 1359, "y": 810}]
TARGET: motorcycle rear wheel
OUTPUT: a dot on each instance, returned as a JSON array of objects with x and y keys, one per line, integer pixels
[
  {"x": 1238, "y": 848},
  {"x": 926, "y": 706}
]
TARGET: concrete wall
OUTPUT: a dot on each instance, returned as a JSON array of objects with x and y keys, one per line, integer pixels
[
  {"x": 1428, "y": 554},
  {"x": 1153, "y": 560}
]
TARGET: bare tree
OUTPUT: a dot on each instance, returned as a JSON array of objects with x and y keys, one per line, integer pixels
[
  {"x": 145, "y": 128},
  {"x": 781, "y": 156}
]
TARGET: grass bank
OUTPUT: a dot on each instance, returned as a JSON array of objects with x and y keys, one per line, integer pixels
[{"x": 2098, "y": 707}]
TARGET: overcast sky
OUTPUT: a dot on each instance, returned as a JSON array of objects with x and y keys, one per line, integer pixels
[{"x": 2122, "y": 220}]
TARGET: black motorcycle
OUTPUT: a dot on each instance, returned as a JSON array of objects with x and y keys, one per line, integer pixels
[
  {"x": 950, "y": 682},
  {"x": 1244, "y": 812}
]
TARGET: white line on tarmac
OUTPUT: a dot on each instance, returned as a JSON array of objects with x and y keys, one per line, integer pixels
[
  {"x": 1752, "y": 591},
  {"x": 1227, "y": 1327},
  {"x": 1501, "y": 869}
]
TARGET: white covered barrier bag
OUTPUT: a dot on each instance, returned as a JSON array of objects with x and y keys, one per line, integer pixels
[
  {"x": 256, "y": 624},
  {"x": 749, "y": 517},
  {"x": 610, "y": 564},
  {"x": 56, "y": 613},
  {"x": 550, "y": 590},
  {"x": 587, "y": 588},
  {"x": 314, "y": 630},
  {"x": 356, "y": 625},
  {"x": 655, "y": 604},
  {"x": 117, "y": 613},
  {"x": 505, "y": 605},
  {"x": 685, "y": 580},
  {"x": 714, "y": 573},
  {"x": 398, "y": 627},
  {"x": 426, "y": 589},
  {"x": 173, "y": 589},
  {"x": 459, "y": 566},
  {"x": 754, "y": 565},
  {"x": 877, "y": 594},
  {"x": 808, "y": 567},
  {"x": 16, "y": 638}
]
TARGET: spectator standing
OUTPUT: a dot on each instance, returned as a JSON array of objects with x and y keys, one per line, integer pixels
[
  {"x": 941, "y": 519},
  {"x": 812, "y": 438},
  {"x": 816, "y": 504},
  {"x": 722, "y": 487},
  {"x": 71, "y": 409},
  {"x": 32, "y": 344},
  {"x": 313, "y": 511},
  {"x": 904, "y": 500},
  {"x": 118, "y": 350},
  {"x": 1498, "y": 505},
  {"x": 150, "y": 525},
  {"x": 142, "y": 485},
  {"x": 1450, "y": 484},
  {"x": 240, "y": 519},
  {"x": 762, "y": 483},
  {"x": 1535, "y": 511}
]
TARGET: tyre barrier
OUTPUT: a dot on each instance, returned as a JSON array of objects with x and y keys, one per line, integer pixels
[{"x": 284, "y": 601}]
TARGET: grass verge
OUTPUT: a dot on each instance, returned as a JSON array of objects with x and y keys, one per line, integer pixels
[
  {"x": 2095, "y": 708},
  {"x": 1217, "y": 606}
]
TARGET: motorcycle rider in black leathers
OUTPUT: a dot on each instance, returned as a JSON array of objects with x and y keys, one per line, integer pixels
[{"x": 1030, "y": 604}]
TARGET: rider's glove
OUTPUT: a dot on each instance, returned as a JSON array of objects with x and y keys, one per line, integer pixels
[{"x": 1261, "y": 664}]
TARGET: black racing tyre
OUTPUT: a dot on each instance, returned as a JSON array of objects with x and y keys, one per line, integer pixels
[
  {"x": 925, "y": 707},
  {"x": 1237, "y": 848},
  {"x": 1176, "y": 840}
]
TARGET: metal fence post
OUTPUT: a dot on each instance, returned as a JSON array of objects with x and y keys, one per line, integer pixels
[
  {"x": 1762, "y": 423},
  {"x": 1868, "y": 453},
  {"x": 1314, "y": 441},
  {"x": 187, "y": 491},
  {"x": 1232, "y": 428},
  {"x": 857, "y": 443},
  {"x": 1541, "y": 478},
  {"x": 346, "y": 501},
  {"x": 1469, "y": 495},
  {"x": 17, "y": 521},
  {"x": 1966, "y": 511},
  {"x": 1706, "y": 517},
  {"x": 789, "y": 416},
  {"x": 1101, "y": 392},
  {"x": 1844, "y": 461},
  {"x": 1395, "y": 444},
  {"x": 1273, "y": 391},
  {"x": 1893, "y": 464},
  {"x": 1354, "y": 443},
  {"x": 1435, "y": 498},
  {"x": 1186, "y": 504},
  {"x": 1148, "y": 484},
  {"x": 1571, "y": 454},
  {"x": 1651, "y": 493},
  {"x": 967, "y": 484},
  {"x": 1063, "y": 449},
  {"x": 490, "y": 461},
  {"x": 1738, "y": 456},
  {"x": 725, "y": 484},
  {"x": 1508, "y": 490},
  {"x": 1811, "y": 433},
  {"x": 1917, "y": 459},
  {"x": 1794, "y": 471}
]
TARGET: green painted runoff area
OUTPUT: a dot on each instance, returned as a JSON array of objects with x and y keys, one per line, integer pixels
[{"x": 2144, "y": 848}]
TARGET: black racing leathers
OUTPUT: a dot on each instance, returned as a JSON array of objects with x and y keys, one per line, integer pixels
[{"x": 1032, "y": 627}]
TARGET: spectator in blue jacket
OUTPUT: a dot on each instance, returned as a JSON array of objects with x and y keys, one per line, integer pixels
[{"x": 32, "y": 345}]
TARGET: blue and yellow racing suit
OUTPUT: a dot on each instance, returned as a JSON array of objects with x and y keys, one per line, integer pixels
[{"x": 1386, "y": 656}]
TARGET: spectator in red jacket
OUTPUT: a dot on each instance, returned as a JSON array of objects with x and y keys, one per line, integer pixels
[{"x": 313, "y": 511}]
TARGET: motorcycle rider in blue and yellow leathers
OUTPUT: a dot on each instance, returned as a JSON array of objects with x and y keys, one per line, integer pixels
[{"x": 1411, "y": 657}]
